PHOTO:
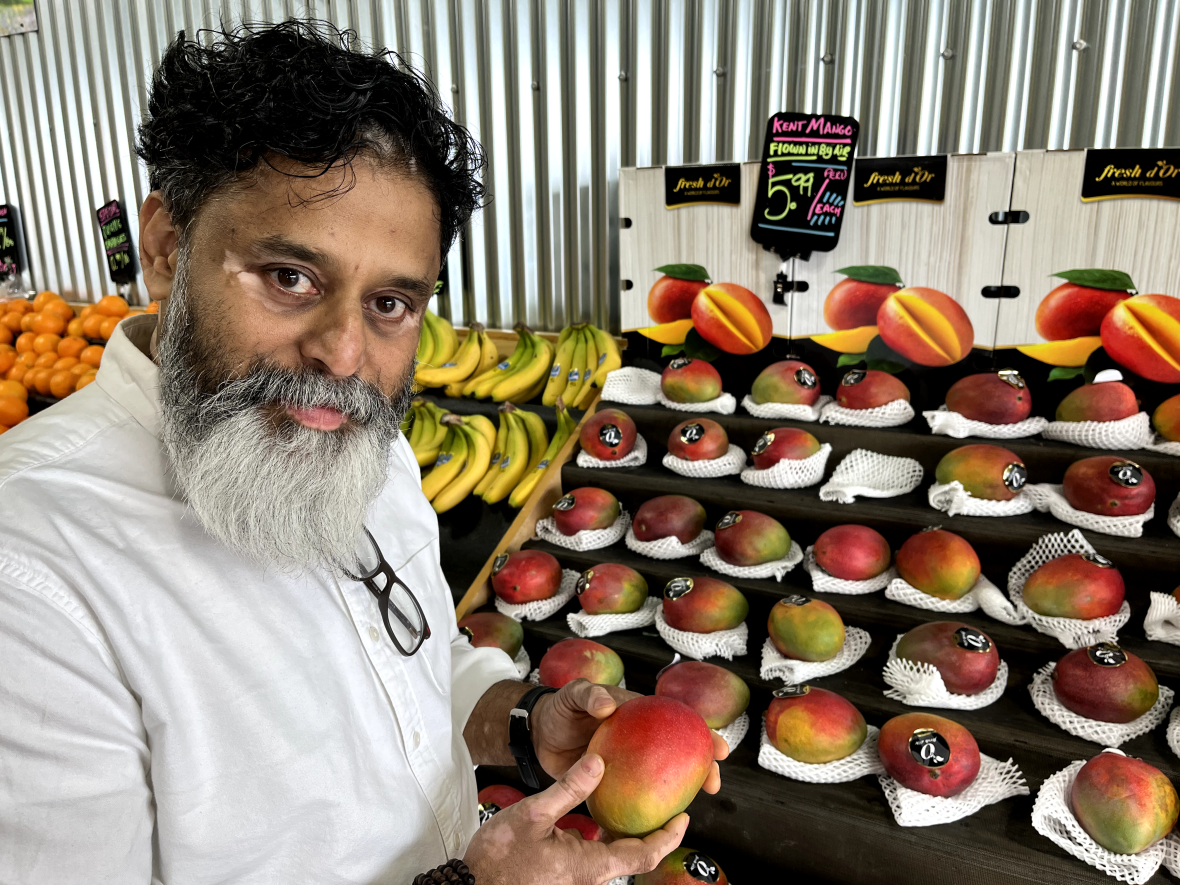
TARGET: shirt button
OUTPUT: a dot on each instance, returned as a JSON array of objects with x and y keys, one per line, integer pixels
[
  {"x": 455, "y": 842},
  {"x": 373, "y": 634},
  {"x": 417, "y": 739}
]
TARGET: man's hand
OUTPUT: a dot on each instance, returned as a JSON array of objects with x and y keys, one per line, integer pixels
[
  {"x": 564, "y": 722},
  {"x": 521, "y": 846}
]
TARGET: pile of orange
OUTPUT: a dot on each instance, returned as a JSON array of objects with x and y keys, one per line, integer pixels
[{"x": 44, "y": 348}]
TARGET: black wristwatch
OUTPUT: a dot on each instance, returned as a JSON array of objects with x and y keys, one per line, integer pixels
[{"x": 520, "y": 739}]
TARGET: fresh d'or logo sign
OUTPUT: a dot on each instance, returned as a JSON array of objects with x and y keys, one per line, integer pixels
[
  {"x": 583, "y": 581},
  {"x": 929, "y": 748},
  {"x": 1128, "y": 474},
  {"x": 972, "y": 640},
  {"x": 701, "y": 867},
  {"x": 566, "y": 503},
  {"x": 677, "y": 587},
  {"x": 692, "y": 433},
  {"x": 610, "y": 435},
  {"x": 731, "y": 518},
  {"x": 764, "y": 442},
  {"x": 1015, "y": 476},
  {"x": 1107, "y": 654},
  {"x": 499, "y": 563}
]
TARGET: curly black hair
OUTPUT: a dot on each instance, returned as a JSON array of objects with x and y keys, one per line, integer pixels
[{"x": 298, "y": 90}]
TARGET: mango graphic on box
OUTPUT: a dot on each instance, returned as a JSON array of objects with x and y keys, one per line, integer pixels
[
  {"x": 925, "y": 326},
  {"x": 853, "y": 302}
]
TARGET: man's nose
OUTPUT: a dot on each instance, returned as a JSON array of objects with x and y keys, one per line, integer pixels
[{"x": 336, "y": 343}]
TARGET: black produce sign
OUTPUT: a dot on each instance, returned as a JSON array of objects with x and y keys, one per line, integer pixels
[
  {"x": 12, "y": 260},
  {"x": 885, "y": 179},
  {"x": 803, "y": 183},
  {"x": 693, "y": 185},
  {"x": 116, "y": 241},
  {"x": 1131, "y": 172}
]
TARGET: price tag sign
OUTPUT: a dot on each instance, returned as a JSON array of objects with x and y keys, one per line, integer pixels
[
  {"x": 116, "y": 241},
  {"x": 12, "y": 260},
  {"x": 1131, "y": 172},
  {"x": 803, "y": 181},
  {"x": 886, "y": 179}
]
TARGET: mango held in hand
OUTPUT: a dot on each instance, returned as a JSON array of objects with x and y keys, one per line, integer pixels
[
  {"x": 1166, "y": 419},
  {"x": 586, "y": 827},
  {"x": 1106, "y": 683},
  {"x": 584, "y": 509},
  {"x": 925, "y": 326},
  {"x": 814, "y": 725},
  {"x": 1143, "y": 334},
  {"x": 718, "y": 695},
  {"x": 861, "y": 389},
  {"x": 669, "y": 516},
  {"x": 804, "y": 629},
  {"x": 1123, "y": 804},
  {"x": 573, "y": 659},
  {"x": 684, "y": 866},
  {"x": 789, "y": 381},
  {"x": 1076, "y": 585},
  {"x": 690, "y": 381},
  {"x": 611, "y": 589},
  {"x": 732, "y": 318},
  {"x": 852, "y": 552},
  {"x": 991, "y": 397},
  {"x": 928, "y": 753},
  {"x": 608, "y": 435},
  {"x": 783, "y": 443},
  {"x": 698, "y": 439},
  {"x": 703, "y": 605},
  {"x": 747, "y": 537},
  {"x": 966, "y": 658},
  {"x": 991, "y": 473},
  {"x": 492, "y": 629},
  {"x": 1105, "y": 401},
  {"x": 657, "y": 754},
  {"x": 1109, "y": 486},
  {"x": 526, "y": 576},
  {"x": 939, "y": 563}
]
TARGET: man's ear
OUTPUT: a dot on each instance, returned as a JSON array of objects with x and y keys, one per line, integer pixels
[{"x": 157, "y": 247}]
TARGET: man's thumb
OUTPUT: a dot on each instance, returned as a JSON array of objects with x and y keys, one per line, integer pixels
[{"x": 570, "y": 790}]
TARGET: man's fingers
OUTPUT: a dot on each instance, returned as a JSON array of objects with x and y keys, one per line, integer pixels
[
  {"x": 712, "y": 780},
  {"x": 570, "y": 790},
  {"x": 629, "y": 857},
  {"x": 597, "y": 700},
  {"x": 720, "y": 747}
]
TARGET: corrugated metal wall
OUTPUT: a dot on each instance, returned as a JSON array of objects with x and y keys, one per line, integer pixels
[{"x": 564, "y": 92}]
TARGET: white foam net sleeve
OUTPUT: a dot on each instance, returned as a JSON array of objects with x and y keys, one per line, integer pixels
[
  {"x": 632, "y": 386},
  {"x": 1053, "y": 819},
  {"x": 1126, "y": 433},
  {"x": 523, "y": 664},
  {"x": 587, "y": 539},
  {"x": 540, "y": 609},
  {"x": 1070, "y": 632},
  {"x": 892, "y": 414},
  {"x": 774, "y": 569},
  {"x": 995, "y": 782},
  {"x": 1174, "y": 731},
  {"x": 729, "y": 464},
  {"x": 622, "y": 880},
  {"x": 1174, "y": 516},
  {"x": 871, "y": 475},
  {"x": 788, "y": 411},
  {"x": 722, "y": 405},
  {"x": 822, "y": 582},
  {"x": 1172, "y": 853},
  {"x": 637, "y": 457},
  {"x": 719, "y": 644},
  {"x": 918, "y": 684},
  {"x": 863, "y": 760},
  {"x": 900, "y": 590},
  {"x": 1162, "y": 622},
  {"x": 1163, "y": 446},
  {"x": 670, "y": 547},
  {"x": 944, "y": 422},
  {"x": 586, "y": 625},
  {"x": 535, "y": 678},
  {"x": 1108, "y": 734},
  {"x": 952, "y": 499},
  {"x": 1048, "y": 497},
  {"x": 775, "y": 665},
  {"x": 735, "y": 731},
  {"x": 790, "y": 473}
]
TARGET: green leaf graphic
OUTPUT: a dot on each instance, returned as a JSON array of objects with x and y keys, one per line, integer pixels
[
  {"x": 1064, "y": 373},
  {"x": 1098, "y": 278},
  {"x": 672, "y": 349},
  {"x": 685, "y": 272},
  {"x": 886, "y": 366},
  {"x": 872, "y": 273},
  {"x": 850, "y": 359},
  {"x": 698, "y": 348}
]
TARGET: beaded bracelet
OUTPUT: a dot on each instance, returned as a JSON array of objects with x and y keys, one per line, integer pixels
[{"x": 453, "y": 872}]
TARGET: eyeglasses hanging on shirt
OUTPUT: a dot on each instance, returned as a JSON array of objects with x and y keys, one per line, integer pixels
[{"x": 404, "y": 621}]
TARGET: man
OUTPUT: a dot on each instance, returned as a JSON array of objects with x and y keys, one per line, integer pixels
[{"x": 196, "y": 687}]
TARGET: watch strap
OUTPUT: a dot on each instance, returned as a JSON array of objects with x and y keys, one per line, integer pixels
[{"x": 520, "y": 740}]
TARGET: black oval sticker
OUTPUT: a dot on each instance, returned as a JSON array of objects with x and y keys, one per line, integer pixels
[
  {"x": 691, "y": 433},
  {"x": 1107, "y": 654},
  {"x": 730, "y": 519},
  {"x": 854, "y": 377},
  {"x": 794, "y": 599},
  {"x": 466, "y": 631},
  {"x": 701, "y": 867},
  {"x": 610, "y": 435},
  {"x": 804, "y": 377},
  {"x": 566, "y": 503},
  {"x": 929, "y": 748},
  {"x": 500, "y": 562},
  {"x": 1128, "y": 474},
  {"x": 1012, "y": 377},
  {"x": 764, "y": 442},
  {"x": 487, "y": 810},
  {"x": 1098, "y": 559},
  {"x": 1015, "y": 476},
  {"x": 679, "y": 363},
  {"x": 583, "y": 581},
  {"x": 970, "y": 639},
  {"x": 792, "y": 691},
  {"x": 677, "y": 587}
]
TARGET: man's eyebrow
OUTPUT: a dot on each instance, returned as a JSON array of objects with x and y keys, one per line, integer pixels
[{"x": 277, "y": 244}]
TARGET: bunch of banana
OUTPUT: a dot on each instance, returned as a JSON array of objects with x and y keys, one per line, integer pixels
[
  {"x": 437, "y": 341},
  {"x": 426, "y": 430},
  {"x": 476, "y": 354},
  {"x": 520, "y": 376},
  {"x": 462, "y": 462},
  {"x": 585, "y": 354},
  {"x": 565, "y": 427},
  {"x": 521, "y": 441}
]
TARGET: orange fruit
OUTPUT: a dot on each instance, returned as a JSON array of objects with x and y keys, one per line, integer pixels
[
  {"x": 28, "y": 378},
  {"x": 26, "y": 323},
  {"x": 108, "y": 327},
  {"x": 16, "y": 373},
  {"x": 19, "y": 306},
  {"x": 92, "y": 355},
  {"x": 112, "y": 306},
  {"x": 13, "y": 411},
  {"x": 153, "y": 307},
  {"x": 26, "y": 359},
  {"x": 7, "y": 358},
  {"x": 84, "y": 380},
  {"x": 45, "y": 360},
  {"x": 66, "y": 362},
  {"x": 92, "y": 326},
  {"x": 72, "y": 346},
  {"x": 47, "y": 323},
  {"x": 14, "y": 389},
  {"x": 41, "y": 378},
  {"x": 86, "y": 311},
  {"x": 61, "y": 308},
  {"x": 44, "y": 298},
  {"x": 74, "y": 327},
  {"x": 46, "y": 343},
  {"x": 24, "y": 342},
  {"x": 11, "y": 321},
  {"x": 82, "y": 369},
  {"x": 62, "y": 383},
  {"x": 6, "y": 336}
]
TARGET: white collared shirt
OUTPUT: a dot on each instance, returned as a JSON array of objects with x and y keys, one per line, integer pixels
[{"x": 172, "y": 712}]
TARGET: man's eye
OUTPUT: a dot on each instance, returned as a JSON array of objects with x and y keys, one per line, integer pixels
[
  {"x": 389, "y": 307},
  {"x": 294, "y": 281}
]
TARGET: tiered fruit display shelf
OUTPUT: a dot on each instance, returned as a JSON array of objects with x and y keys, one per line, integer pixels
[{"x": 761, "y": 823}]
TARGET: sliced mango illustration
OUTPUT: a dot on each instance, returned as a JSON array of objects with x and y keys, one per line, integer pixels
[
  {"x": 848, "y": 341},
  {"x": 1157, "y": 328},
  {"x": 1068, "y": 352},
  {"x": 931, "y": 325},
  {"x": 668, "y": 333}
]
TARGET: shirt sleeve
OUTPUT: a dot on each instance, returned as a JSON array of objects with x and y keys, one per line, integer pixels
[
  {"x": 473, "y": 672},
  {"x": 75, "y": 800}
]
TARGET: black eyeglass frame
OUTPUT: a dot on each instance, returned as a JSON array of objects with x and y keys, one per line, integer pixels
[{"x": 383, "y": 604}]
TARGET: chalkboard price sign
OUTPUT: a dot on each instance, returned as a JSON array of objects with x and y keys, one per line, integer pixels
[
  {"x": 116, "y": 241},
  {"x": 12, "y": 260},
  {"x": 803, "y": 183}
]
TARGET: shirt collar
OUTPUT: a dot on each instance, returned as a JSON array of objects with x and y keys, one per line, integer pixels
[{"x": 128, "y": 375}]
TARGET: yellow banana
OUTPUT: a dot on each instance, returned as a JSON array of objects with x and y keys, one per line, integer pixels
[
  {"x": 426, "y": 344},
  {"x": 564, "y": 335},
  {"x": 485, "y": 427},
  {"x": 609, "y": 356},
  {"x": 577, "y": 373},
  {"x": 425, "y": 444},
  {"x": 449, "y": 464},
  {"x": 440, "y": 429},
  {"x": 497, "y": 453},
  {"x": 416, "y": 409},
  {"x": 565, "y": 426},
  {"x": 559, "y": 373},
  {"x": 521, "y": 383},
  {"x": 586, "y": 392},
  {"x": 534, "y": 425},
  {"x": 479, "y": 453},
  {"x": 460, "y": 367},
  {"x": 514, "y": 463},
  {"x": 446, "y": 341},
  {"x": 481, "y": 386}
]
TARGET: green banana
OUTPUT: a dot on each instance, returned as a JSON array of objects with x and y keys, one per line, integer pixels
[
  {"x": 451, "y": 458},
  {"x": 479, "y": 452},
  {"x": 458, "y": 368},
  {"x": 497, "y": 454},
  {"x": 440, "y": 429},
  {"x": 514, "y": 463},
  {"x": 426, "y": 343},
  {"x": 559, "y": 373},
  {"x": 565, "y": 427},
  {"x": 415, "y": 437},
  {"x": 534, "y": 425}
]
